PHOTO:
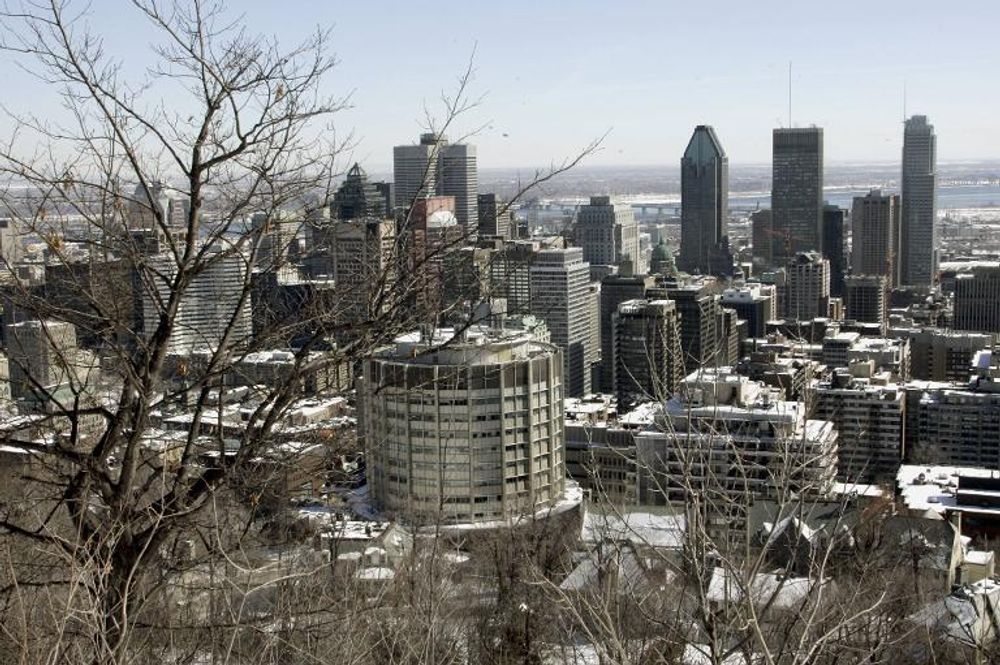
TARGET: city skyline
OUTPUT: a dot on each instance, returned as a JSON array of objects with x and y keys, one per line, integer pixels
[{"x": 548, "y": 101}]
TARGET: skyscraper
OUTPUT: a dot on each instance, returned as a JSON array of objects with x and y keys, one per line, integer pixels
[
  {"x": 414, "y": 170},
  {"x": 796, "y": 192},
  {"x": 356, "y": 197},
  {"x": 213, "y": 307},
  {"x": 807, "y": 291},
  {"x": 494, "y": 220},
  {"x": 867, "y": 298},
  {"x": 435, "y": 166},
  {"x": 705, "y": 205},
  {"x": 833, "y": 247},
  {"x": 616, "y": 289},
  {"x": 918, "y": 224},
  {"x": 560, "y": 296},
  {"x": 874, "y": 234},
  {"x": 458, "y": 176},
  {"x": 698, "y": 306},
  {"x": 977, "y": 300},
  {"x": 646, "y": 351},
  {"x": 608, "y": 233},
  {"x": 762, "y": 237}
]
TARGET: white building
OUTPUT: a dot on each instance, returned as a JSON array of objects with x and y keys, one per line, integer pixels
[
  {"x": 724, "y": 439},
  {"x": 608, "y": 233},
  {"x": 214, "y": 306},
  {"x": 561, "y": 296}
]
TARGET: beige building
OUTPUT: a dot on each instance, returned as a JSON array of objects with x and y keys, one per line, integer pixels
[
  {"x": 468, "y": 432},
  {"x": 875, "y": 236}
]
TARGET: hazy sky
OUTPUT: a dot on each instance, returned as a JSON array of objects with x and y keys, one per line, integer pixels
[{"x": 554, "y": 75}]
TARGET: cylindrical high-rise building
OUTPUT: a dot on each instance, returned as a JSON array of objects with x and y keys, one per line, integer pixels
[{"x": 468, "y": 432}]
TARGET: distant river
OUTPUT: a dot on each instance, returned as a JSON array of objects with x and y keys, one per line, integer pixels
[{"x": 949, "y": 197}]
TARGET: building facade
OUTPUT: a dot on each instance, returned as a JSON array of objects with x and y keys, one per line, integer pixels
[
  {"x": 918, "y": 223},
  {"x": 834, "y": 248},
  {"x": 875, "y": 236},
  {"x": 870, "y": 419},
  {"x": 560, "y": 296},
  {"x": 977, "y": 300},
  {"x": 646, "y": 351},
  {"x": 705, "y": 205},
  {"x": 796, "y": 192},
  {"x": 866, "y": 299},
  {"x": 616, "y": 289},
  {"x": 806, "y": 294},
  {"x": 472, "y": 432},
  {"x": 214, "y": 308},
  {"x": 435, "y": 167},
  {"x": 608, "y": 233}
]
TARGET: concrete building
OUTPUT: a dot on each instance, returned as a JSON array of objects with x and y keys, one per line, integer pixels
[
  {"x": 510, "y": 274},
  {"x": 616, "y": 289},
  {"x": 754, "y": 303},
  {"x": 698, "y": 305},
  {"x": 705, "y": 206},
  {"x": 957, "y": 424},
  {"x": 432, "y": 232},
  {"x": 918, "y": 220},
  {"x": 560, "y": 296},
  {"x": 796, "y": 192},
  {"x": 730, "y": 441},
  {"x": 943, "y": 355},
  {"x": 646, "y": 351},
  {"x": 364, "y": 265},
  {"x": 806, "y": 294},
  {"x": 875, "y": 236},
  {"x": 977, "y": 300},
  {"x": 834, "y": 247},
  {"x": 887, "y": 355},
  {"x": 866, "y": 299},
  {"x": 158, "y": 214},
  {"x": 471, "y": 432},
  {"x": 731, "y": 332},
  {"x": 870, "y": 416},
  {"x": 608, "y": 233},
  {"x": 214, "y": 305},
  {"x": 11, "y": 251},
  {"x": 278, "y": 238},
  {"x": 44, "y": 362},
  {"x": 762, "y": 238},
  {"x": 435, "y": 167},
  {"x": 415, "y": 170}
]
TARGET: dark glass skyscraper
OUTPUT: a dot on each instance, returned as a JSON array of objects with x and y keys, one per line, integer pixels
[
  {"x": 918, "y": 226},
  {"x": 705, "y": 205},
  {"x": 358, "y": 198},
  {"x": 796, "y": 192},
  {"x": 833, "y": 247}
]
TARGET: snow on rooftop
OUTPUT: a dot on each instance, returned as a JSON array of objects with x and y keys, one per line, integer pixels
[
  {"x": 639, "y": 528},
  {"x": 932, "y": 488}
]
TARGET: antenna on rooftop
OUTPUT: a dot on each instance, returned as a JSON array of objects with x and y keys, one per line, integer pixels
[
  {"x": 904, "y": 100},
  {"x": 789, "y": 94}
]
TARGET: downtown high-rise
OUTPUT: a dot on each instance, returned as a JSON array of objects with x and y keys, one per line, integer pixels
[
  {"x": 436, "y": 167},
  {"x": 608, "y": 233},
  {"x": 918, "y": 226},
  {"x": 796, "y": 192},
  {"x": 705, "y": 205}
]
